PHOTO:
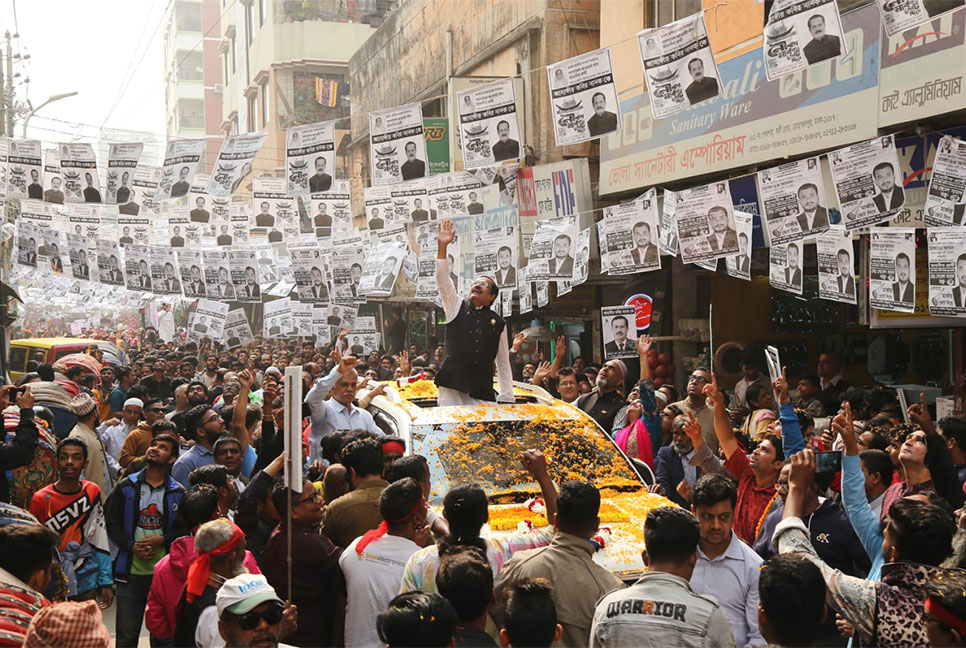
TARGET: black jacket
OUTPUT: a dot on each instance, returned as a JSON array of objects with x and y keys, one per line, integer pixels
[{"x": 19, "y": 451}]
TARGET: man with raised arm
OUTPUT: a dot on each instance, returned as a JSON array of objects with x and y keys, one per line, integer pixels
[{"x": 475, "y": 337}]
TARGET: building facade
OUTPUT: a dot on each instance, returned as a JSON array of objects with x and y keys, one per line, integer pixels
[{"x": 192, "y": 73}]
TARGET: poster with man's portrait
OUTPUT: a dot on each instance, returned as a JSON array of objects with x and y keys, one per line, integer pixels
[
  {"x": 800, "y": 34},
  {"x": 583, "y": 98},
  {"x": 618, "y": 324},
  {"x": 397, "y": 144},
  {"x": 868, "y": 182}
]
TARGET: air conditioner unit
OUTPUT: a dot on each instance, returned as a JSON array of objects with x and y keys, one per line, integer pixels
[{"x": 219, "y": 88}]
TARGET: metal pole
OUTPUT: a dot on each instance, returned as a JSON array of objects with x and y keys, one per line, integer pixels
[
  {"x": 288, "y": 550},
  {"x": 50, "y": 99}
]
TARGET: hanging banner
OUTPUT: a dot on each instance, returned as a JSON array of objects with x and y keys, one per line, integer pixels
[
  {"x": 331, "y": 212},
  {"x": 381, "y": 269},
  {"x": 24, "y": 167},
  {"x": 278, "y": 318},
  {"x": 273, "y": 209},
  {"x": 794, "y": 198},
  {"x": 309, "y": 272},
  {"x": 867, "y": 182},
  {"x": 109, "y": 263},
  {"x": 946, "y": 198},
  {"x": 739, "y": 265},
  {"x": 784, "y": 266},
  {"x": 836, "y": 274},
  {"x": 379, "y": 211},
  {"x": 524, "y": 290},
  {"x": 244, "y": 268},
  {"x": 705, "y": 221},
  {"x": 144, "y": 184},
  {"x": 137, "y": 267},
  {"x": 55, "y": 245},
  {"x": 678, "y": 65},
  {"x": 496, "y": 255},
  {"x": 552, "y": 250},
  {"x": 489, "y": 131},
  {"x": 238, "y": 332},
  {"x": 164, "y": 275},
  {"x": 239, "y": 217},
  {"x": 800, "y": 34},
  {"x": 582, "y": 260},
  {"x": 218, "y": 284},
  {"x": 628, "y": 238},
  {"x": 892, "y": 275},
  {"x": 234, "y": 162},
  {"x": 583, "y": 98},
  {"x": 78, "y": 166},
  {"x": 181, "y": 158},
  {"x": 397, "y": 144},
  {"x": 347, "y": 267},
  {"x": 122, "y": 160},
  {"x": 192, "y": 277},
  {"x": 947, "y": 271},
  {"x": 309, "y": 158},
  {"x": 207, "y": 321},
  {"x": 620, "y": 338}
]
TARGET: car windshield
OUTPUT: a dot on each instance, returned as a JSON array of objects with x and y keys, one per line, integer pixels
[{"x": 489, "y": 453}]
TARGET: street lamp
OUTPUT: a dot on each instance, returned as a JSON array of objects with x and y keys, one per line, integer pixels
[{"x": 50, "y": 99}]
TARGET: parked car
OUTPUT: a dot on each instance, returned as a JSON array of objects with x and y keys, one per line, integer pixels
[{"x": 50, "y": 349}]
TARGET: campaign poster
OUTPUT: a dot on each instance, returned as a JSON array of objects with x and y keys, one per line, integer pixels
[
  {"x": 629, "y": 230},
  {"x": 583, "y": 98},
  {"x": 133, "y": 229},
  {"x": 28, "y": 242},
  {"x": 144, "y": 184},
  {"x": 739, "y": 265},
  {"x": 542, "y": 290},
  {"x": 364, "y": 338},
  {"x": 381, "y": 269},
  {"x": 867, "y": 182},
  {"x": 582, "y": 260},
  {"x": 455, "y": 195},
  {"x": 109, "y": 269},
  {"x": 410, "y": 203},
  {"x": 794, "y": 197},
  {"x": 552, "y": 249},
  {"x": 892, "y": 273},
  {"x": 55, "y": 245},
  {"x": 278, "y": 318},
  {"x": 238, "y": 332},
  {"x": 302, "y": 315},
  {"x": 947, "y": 271},
  {"x": 489, "y": 131},
  {"x": 348, "y": 262},
  {"x": 78, "y": 166},
  {"x": 497, "y": 255},
  {"x": 705, "y": 221},
  {"x": 800, "y": 34},
  {"x": 900, "y": 15},
  {"x": 619, "y": 329},
  {"x": 667, "y": 237},
  {"x": 181, "y": 158},
  {"x": 53, "y": 180},
  {"x": 79, "y": 250},
  {"x": 309, "y": 158},
  {"x": 24, "y": 168},
  {"x": 137, "y": 267},
  {"x": 524, "y": 291},
  {"x": 183, "y": 232},
  {"x": 310, "y": 279},
  {"x": 209, "y": 321},
  {"x": 379, "y": 209},
  {"x": 836, "y": 271},
  {"x": 217, "y": 273},
  {"x": 245, "y": 276},
  {"x": 239, "y": 217},
  {"x": 200, "y": 204},
  {"x": 84, "y": 220},
  {"x": 164, "y": 272},
  {"x": 946, "y": 198},
  {"x": 233, "y": 163},
  {"x": 330, "y": 212},
  {"x": 785, "y": 266},
  {"x": 122, "y": 160},
  {"x": 397, "y": 144},
  {"x": 273, "y": 209},
  {"x": 192, "y": 275},
  {"x": 678, "y": 65},
  {"x": 340, "y": 316}
]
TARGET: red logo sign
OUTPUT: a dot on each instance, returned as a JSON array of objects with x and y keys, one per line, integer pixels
[{"x": 642, "y": 308}]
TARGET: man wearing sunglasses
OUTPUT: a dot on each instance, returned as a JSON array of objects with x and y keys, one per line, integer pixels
[
  {"x": 250, "y": 613},
  {"x": 696, "y": 403}
]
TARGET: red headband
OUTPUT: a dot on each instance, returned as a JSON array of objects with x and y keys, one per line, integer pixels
[
  {"x": 393, "y": 446},
  {"x": 383, "y": 528},
  {"x": 935, "y": 608},
  {"x": 200, "y": 569}
]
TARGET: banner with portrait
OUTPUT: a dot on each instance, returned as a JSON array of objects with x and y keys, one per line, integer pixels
[
  {"x": 397, "y": 144},
  {"x": 234, "y": 163},
  {"x": 836, "y": 272},
  {"x": 946, "y": 198},
  {"x": 309, "y": 158},
  {"x": 794, "y": 199},
  {"x": 122, "y": 160},
  {"x": 583, "y": 98},
  {"x": 705, "y": 221},
  {"x": 867, "y": 182},
  {"x": 892, "y": 272},
  {"x": 489, "y": 131},
  {"x": 800, "y": 34},
  {"x": 619, "y": 329},
  {"x": 181, "y": 158},
  {"x": 947, "y": 271},
  {"x": 785, "y": 271}
]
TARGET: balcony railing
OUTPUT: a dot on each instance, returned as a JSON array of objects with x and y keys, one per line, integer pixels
[{"x": 371, "y": 12}]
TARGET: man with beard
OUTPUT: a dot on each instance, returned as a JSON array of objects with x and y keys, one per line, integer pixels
[
  {"x": 890, "y": 196},
  {"x": 142, "y": 520},
  {"x": 246, "y": 597},
  {"x": 144, "y": 275},
  {"x": 81, "y": 269},
  {"x": 319, "y": 290},
  {"x": 814, "y": 216},
  {"x": 644, "y": 251},
  {"x": 476, "y": 337},
  {"x": 197, "y": 287},
  {"x": 171, "y": 283},
  {"x": 603, "y": 403},
  {"x": 204, "y": 425},
  {"x": 793, "y": 273},
  {"x": 671, "y": 468},
  {"x": 903, "y": 290},
  {"x": 387, "y": 276},
  {"x": 176, "y": 239},
  {"x": 196, "y": 394},
  {"x": 721, "y": 237},
  {"x": 506, "y": 274},
  {"x": 562, "y": 264},
  {"x": 696, "y": 404}
]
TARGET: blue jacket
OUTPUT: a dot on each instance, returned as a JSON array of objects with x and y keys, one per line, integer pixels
[
  {"x": 669, "y": 471},
  {"x": 121, "y": 515}
]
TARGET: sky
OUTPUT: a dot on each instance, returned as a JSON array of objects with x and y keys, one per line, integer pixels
[{"x": 98, "y": 48}]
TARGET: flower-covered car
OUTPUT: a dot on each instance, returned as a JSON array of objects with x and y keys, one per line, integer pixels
[{"x": 483, "y": 444}]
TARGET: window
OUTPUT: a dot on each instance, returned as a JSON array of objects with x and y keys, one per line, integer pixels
[
  {"x": 262, "y": 12},
  {"x": 662, "y": 12},
  {"x": 18, "y": 358},
  {"x": 263, "y": 92},
  {"x": 252, "y": 127},
  {"x": 250, "y": 22},
  {"x": 190, "y": 66}
]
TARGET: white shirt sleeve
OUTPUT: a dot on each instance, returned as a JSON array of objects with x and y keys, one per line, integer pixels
[
  {"x": 320, "y": 390},
  {"x": 504, "y": 375},
  {"x": 206, "y": 634},
  {"x": 447, "y": 291}
]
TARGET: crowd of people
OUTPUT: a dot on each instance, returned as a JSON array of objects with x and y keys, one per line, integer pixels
[{"x": 169, "y": 499}]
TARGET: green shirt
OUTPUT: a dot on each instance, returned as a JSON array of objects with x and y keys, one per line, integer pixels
[{"x": 149, "y": 522}]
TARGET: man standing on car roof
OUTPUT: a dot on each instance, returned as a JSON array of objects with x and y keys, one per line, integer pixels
[{"x": 475, "y": 337}]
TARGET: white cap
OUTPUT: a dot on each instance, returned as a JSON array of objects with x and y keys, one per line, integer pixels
[
  {"x": 134, "y": 401},
  {"x": 243, "y": 593}
]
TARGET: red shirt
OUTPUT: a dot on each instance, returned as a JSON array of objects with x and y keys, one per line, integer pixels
[{"x": 752, "y": 500}]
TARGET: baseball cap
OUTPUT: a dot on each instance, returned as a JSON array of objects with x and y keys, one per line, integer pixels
[{"x": 243, "y": 593}]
